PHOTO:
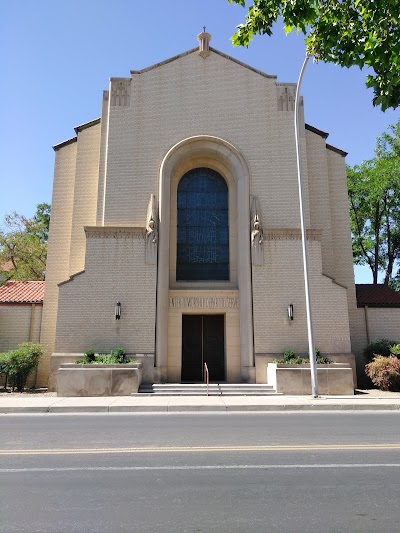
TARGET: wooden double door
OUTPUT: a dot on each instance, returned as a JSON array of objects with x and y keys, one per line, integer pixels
[{"x": 203, "y": 341}]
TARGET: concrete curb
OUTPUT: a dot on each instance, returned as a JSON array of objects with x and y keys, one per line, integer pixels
[{"x": 199, "y": 405}]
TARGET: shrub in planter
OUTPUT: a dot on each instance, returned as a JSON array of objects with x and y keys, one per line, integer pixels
[
  {"x": 290, "y": 358},
  {"x": 381, "y": 347},
  {"x": 289, "y": 355},
  {"x": 384, "y": 372},
  {"x": 119, "y": 354},
  {"x": 115, "y": 357},
  {"x": 90, "y": 355},
  {"x": 18, "y": 364}
]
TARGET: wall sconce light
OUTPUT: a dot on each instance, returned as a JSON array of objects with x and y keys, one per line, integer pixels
[
  {"x": 290, "y": 311},
  {"x": 117, "y": 310}
]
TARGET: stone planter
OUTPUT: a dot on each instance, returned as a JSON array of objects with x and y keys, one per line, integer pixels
[
  {"x": 98, "y": 380},
  {"x": 336, "y": 378}
]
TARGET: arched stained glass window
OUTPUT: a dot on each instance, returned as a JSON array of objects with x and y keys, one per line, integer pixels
[{"x": 203, "y": 232}]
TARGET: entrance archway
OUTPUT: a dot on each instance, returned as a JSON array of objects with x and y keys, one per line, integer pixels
[{"x": 223, "y": 153}]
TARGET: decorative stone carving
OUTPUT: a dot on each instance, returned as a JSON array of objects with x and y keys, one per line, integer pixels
[
  {"x": 120, "y": 92},
  {"x": 115, "y": 232},
  {"x": 291, "y": 234},
  {"x": 286, "y": 97},
  {"x": 206, "y": 302},
  {"x": 257, "y": 238},
  {"x": 151, "y": 232}
]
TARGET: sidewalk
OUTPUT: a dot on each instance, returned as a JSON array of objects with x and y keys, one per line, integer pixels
[{"x": 48, "y": 403}]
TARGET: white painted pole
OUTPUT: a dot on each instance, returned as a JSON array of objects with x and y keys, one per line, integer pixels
[{"x": 311, "y": 348}]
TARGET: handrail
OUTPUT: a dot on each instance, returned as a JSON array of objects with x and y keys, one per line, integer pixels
[{"x": 206, "y": 376}]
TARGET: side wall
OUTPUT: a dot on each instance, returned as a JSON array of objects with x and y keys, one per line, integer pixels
[
  {"x": 377, "y": 323},
  {"x": 280, "y": 283},
  {"x": 341, "y": 238},
  {"x": 19, "y": 323},
  {"x": 115, "y": 271},
  {"x": 74, "y": 204},
  {"x": 57, "y": 267}
]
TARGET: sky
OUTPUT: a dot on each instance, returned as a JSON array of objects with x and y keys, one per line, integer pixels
[{"x": 57, "y": 58}]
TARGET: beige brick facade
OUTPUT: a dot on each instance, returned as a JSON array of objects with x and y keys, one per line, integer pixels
[
  {"x": 157, "y": 124},
  {"x": 376, "y": 323},
  {"x": 19, "y": 323}
]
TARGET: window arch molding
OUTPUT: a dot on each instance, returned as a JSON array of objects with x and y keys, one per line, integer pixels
[{"x": 221, "y": 152}]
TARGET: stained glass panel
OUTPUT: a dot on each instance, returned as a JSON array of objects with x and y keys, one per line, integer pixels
[{"x": 202, "y": 233}]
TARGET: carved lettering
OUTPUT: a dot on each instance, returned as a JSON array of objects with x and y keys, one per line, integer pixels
[{"x": 207, "y": 302}]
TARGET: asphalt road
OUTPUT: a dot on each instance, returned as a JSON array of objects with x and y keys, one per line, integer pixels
[{"x": 273, "y": 472}]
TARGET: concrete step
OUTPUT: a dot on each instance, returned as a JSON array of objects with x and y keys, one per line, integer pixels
[{"x": 200, "y": 389}]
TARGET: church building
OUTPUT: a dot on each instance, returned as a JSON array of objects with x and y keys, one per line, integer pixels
[{"x": 175, "y": 227}]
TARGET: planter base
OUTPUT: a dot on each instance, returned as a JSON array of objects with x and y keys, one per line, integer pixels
[
  {"x": 336, "y": 379},
  {"x": 98, "y": 380}
]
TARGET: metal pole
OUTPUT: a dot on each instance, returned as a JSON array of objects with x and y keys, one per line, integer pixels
[{"x": 311, "y": 348}]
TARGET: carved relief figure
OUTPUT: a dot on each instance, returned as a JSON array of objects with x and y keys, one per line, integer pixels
[
  {"x": 257, "y": 239},
  {"x": 256, "y": 243},
  {"x": 151, "y": 232}
]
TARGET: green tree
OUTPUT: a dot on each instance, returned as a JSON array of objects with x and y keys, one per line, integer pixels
[
  {"x": 23, "y": 243},
  {"x": 344, "y": 32},
  {"x": 374, "y": 197}
]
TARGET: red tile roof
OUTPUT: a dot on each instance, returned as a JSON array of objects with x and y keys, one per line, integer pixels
[
  {"x": 22, "y": 292},
  {"x": 377, "y": 296}
]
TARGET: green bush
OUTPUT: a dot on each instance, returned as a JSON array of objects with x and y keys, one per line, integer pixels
[
  {"x": 107, "y": 359},
  {"x": 90, "y": 355},
  {"x": 384, "y": 372},
  {"x": 395, "y": 350},
  {"x": 115, "y": 357},
  {"x": 119, "y": 354},
  {"x": 303, "y": 361},
  {"x": 321, "y": 360},
  {"x": 17, "y": 364},
  {"x": 381, "y": 347},
  {"x": 3, "y": 368},
  {"x": 288, "y": 355},
  {"x": 296, "y": 361}
]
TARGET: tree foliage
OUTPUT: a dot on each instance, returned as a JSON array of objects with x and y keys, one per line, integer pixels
[
  {"x": 345, "y": 32},
  {"x": 374, "y": 197},
  {"x": 23, "y": 244}
]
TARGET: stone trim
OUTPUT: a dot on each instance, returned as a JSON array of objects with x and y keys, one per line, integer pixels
[
  {"x": 337, "y": 150},
  {"x": 335, "y": 282},
  {"x": 291, "y": 234},
  {"x": 115, "y": 232},
  {"x": 188, "y": 52},
  {"x": 77, "y": 129},
  {"x": 226, "y": 56},
  {"x": 165, "y": 62},
  {"x": 86, "y": 125},
  {"x": 70, "y": 278},
  {"x": 321, "y": 133},
  {"x": 56, "y": 147}
]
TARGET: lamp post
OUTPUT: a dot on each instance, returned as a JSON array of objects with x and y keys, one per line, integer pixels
[{"x": 311, "y": 348}]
